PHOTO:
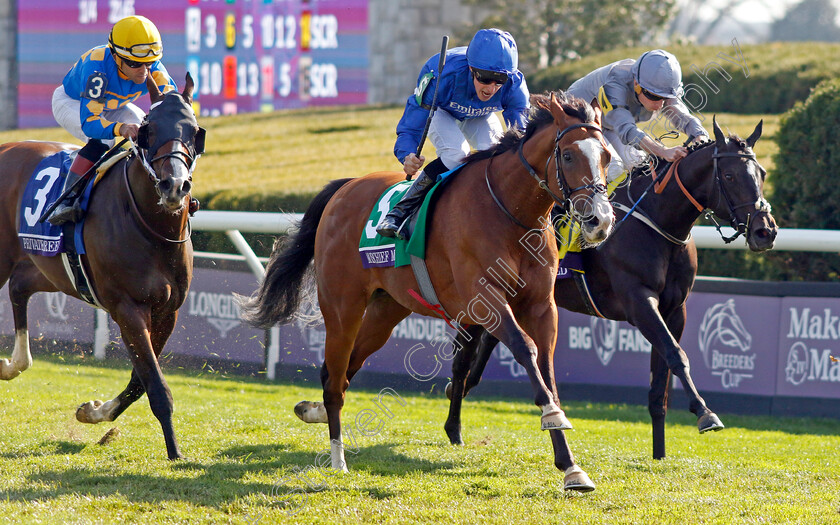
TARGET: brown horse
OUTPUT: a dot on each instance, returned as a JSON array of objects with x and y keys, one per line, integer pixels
[
  {"x": 644, "y": 272},
  {"x": 139, "y": 255},
  {"x": 480, "y": 266}
]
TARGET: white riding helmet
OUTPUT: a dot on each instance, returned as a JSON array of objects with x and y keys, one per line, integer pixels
[{"x": 659, "y": 72}]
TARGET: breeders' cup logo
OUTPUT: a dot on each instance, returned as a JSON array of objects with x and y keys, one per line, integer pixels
[
  {"x": 796, "y": 368},
  {"x": 724, "y": 342},
  {"x": 219, "y": 309},
  {"x": 604, "y": 338},
  {"x": 56, "y": 304}
]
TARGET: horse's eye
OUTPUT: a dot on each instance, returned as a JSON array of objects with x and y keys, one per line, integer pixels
[
  {"x": 728, "y": 177},
  {"x": 567, "y": 157}
]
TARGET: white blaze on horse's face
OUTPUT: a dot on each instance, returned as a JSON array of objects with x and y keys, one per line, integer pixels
[
  {"x": 175, "y": 185},
  {"x": 595, "y": 214}
]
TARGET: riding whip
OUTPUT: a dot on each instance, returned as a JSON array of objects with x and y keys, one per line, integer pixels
[
  {"x": 82, "y": 181},
  {"x": 444, "y": 44}
]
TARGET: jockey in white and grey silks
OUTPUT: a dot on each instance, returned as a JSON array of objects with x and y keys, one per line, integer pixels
[
  {"x": 632, "y": 91},
  {"x": 476, "y": 82}
]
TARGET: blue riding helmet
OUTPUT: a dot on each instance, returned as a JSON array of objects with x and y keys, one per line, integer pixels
[
  {"x": 659, "y": 72},
  {"x": 493, "y": 50}
]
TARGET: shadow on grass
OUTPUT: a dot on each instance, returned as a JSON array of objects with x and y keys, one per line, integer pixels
[
  {"x": 217, "y": 484},
  {"x": 47, "y": 448}
]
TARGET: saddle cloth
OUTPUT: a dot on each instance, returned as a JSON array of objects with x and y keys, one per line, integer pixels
[
  {"x": 377, "y": 251},
  {"x": 44, "y": 187}
]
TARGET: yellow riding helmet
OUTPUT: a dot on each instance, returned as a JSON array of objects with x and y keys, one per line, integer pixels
[{"x": 136, "y": 38}]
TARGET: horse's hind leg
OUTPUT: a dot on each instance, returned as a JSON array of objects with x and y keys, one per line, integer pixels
[
  {"x": 468, "y": 352},
  {"x": 660, "y": 379},
  {"x": 25, "y": 281},
  {"x": 381, "y": 316}
]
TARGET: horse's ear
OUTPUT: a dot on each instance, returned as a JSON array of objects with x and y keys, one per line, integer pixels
[
  {"x": 557, "y": 111},
  {"x": 154, "y": 92},
  {"x": 143, "y": 137},
  {"x": 752, "y": 139},
  {"x": 720, "y": 138},
  {"x": 199, "y": 141},
  {"x": 189, "y": 85}
]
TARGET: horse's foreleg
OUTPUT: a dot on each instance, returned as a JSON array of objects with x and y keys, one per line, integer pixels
[
  {"x": 482, "y": 356},
  {"x": 135, "y": 323},
  {"x": 97, "y": 412},
  {"x": 525, "y": 351},
  {"x": 706, "y": 419}
]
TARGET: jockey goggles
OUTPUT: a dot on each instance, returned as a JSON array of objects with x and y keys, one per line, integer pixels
[
  {"x": 155, "y": 49},
  {"x": 486, "y": 77}
]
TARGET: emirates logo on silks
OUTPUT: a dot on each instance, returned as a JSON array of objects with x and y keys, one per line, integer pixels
[{"x": 604, "y": 338}]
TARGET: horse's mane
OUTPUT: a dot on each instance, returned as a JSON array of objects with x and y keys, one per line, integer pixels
[{"x": 539, "y": 117}]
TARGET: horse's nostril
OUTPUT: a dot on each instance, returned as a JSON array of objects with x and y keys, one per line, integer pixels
[
  {"x": 186, "y": 187},
  {"x": 165, "y": 186}
]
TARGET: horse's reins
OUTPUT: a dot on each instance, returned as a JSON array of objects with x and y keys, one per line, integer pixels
[
  {"x": 760, "y": 205},
  {"x": 177, "y": 153},
  {"x": 562, "y": 183}
]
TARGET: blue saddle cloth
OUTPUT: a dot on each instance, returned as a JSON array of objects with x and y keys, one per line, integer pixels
[{"x": 44, "y": 187}]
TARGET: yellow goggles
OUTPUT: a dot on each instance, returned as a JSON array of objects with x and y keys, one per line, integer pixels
[{"x": 142, "y": 50}]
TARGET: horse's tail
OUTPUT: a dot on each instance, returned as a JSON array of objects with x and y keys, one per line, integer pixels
[{"x": 279, "y": 295}]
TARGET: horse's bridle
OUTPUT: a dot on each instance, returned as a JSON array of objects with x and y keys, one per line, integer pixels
[
  {"x": 180, "y": 150},
  {"x": 562, "y": 183},
  {"x": 761, "y": 205}
]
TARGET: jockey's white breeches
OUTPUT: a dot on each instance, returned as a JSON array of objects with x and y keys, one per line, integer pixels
[
  {"x": 67, "y": 112},
  {"x": 453, "y": 138},
  {"x": 624, "y": 157}
]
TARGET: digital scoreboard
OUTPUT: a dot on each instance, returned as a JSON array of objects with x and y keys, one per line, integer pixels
[{"x": 244, "y": 55}]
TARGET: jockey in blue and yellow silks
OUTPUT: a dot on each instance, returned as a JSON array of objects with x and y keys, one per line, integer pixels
[{"x": 94, "y": 103}]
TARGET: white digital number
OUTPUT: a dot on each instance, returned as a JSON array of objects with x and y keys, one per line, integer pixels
[
  {"x": 284, "y": 80},
  {"x": 286, "y": 27},
  {"x": 210, "y": 27},
  {"x": 192, "y": 29},
  {"x": 247, "y": 31},
  {"x": 267, "y": 31},
  {"x": 211, "y": 78}
]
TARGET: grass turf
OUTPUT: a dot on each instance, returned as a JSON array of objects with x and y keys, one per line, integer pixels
[{"x": 250, "y": 460}]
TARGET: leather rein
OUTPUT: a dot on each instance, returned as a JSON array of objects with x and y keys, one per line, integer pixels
[{"x": 562, "y": 183}]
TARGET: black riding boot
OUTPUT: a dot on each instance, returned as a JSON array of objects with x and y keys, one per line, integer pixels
[
  {"x": 392, "y": 224},
  {"x": 70, "y": 210}
]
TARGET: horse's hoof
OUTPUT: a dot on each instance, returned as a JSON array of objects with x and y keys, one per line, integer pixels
[
  {"x": 86, "y": 413},
  {"x": 555, "y": 420},
  {"x": 576, "y": 479},
  {"x": 709, "y": 421},
  {"x": 449, "y": 391},
  {"x": 311, "y": 412}
]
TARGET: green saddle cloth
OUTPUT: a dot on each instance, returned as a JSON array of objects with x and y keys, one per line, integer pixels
[{"x": 377, "y": 251}]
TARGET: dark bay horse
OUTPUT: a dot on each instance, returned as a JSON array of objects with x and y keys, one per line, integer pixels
[
  {"x": 482, "y": 270},
  {"x": 643, "y": 273},
  {"x": 139, "y": 255}
]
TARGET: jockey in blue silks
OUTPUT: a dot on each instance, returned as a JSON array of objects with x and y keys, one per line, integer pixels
[
  {"x": 94, "y": 103},
  {"x": 476, "y": 82}
]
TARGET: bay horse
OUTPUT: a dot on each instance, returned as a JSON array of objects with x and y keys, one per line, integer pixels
[
  {"x": 644, "y": 272},
  {"x": 139, "y": 254},
  {"x": 476, "y": 258}
]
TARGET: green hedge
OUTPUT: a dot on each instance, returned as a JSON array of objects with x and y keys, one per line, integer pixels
[
  {"x": 779, "y": 74},
  {"x": 805, "y": 193}
]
